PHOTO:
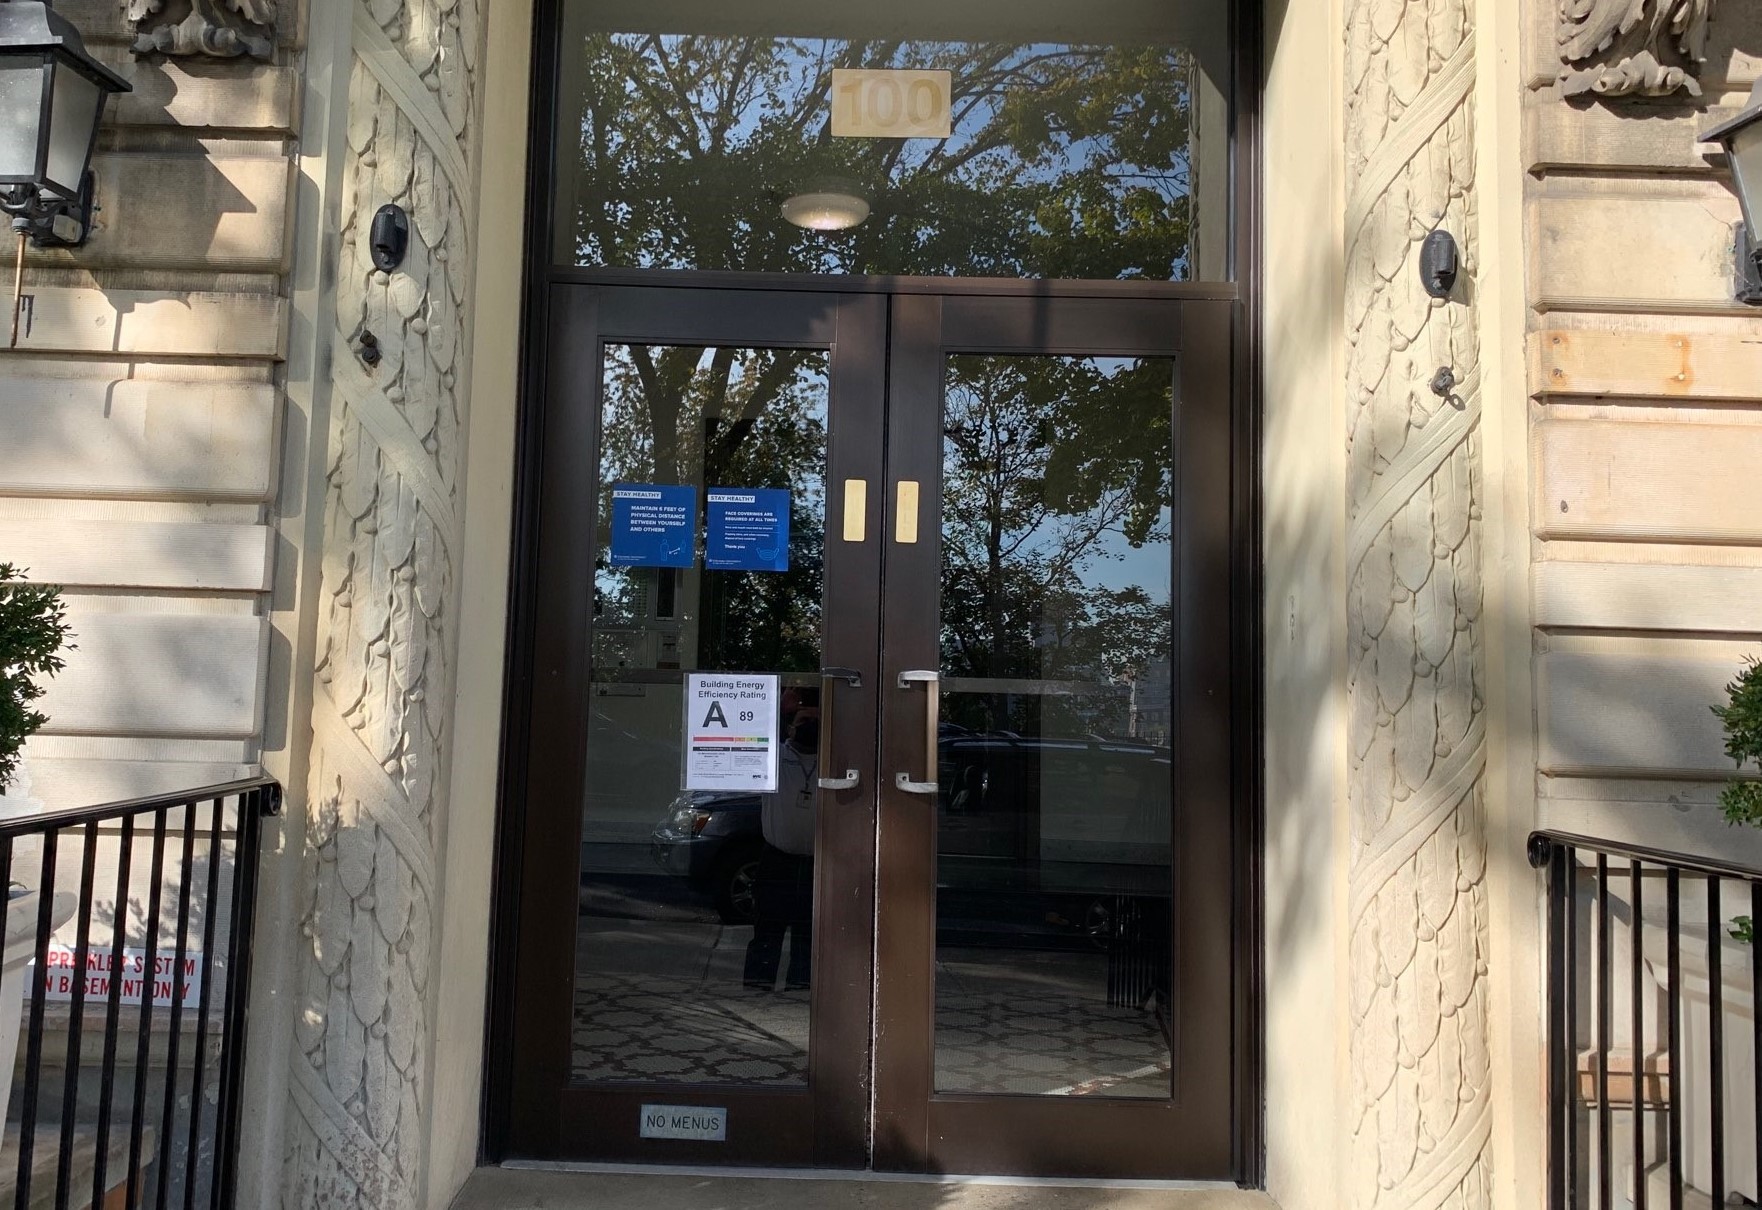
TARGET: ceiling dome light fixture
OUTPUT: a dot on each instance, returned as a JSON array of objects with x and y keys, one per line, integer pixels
[{"x": 827, "y": 204}]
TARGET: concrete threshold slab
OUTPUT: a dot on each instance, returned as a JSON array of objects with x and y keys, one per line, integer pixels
[{"x": 606, "y": 1187}]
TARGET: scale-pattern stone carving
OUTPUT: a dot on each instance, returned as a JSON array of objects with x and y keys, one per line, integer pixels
[
  {"x": 388, "y": 634},
  {"x": 1419, "y": 1097},
  {"x": 1617, "y": 48}
]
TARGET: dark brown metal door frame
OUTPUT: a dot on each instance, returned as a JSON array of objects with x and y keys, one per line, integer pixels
[
  {"x": 886, "y": 401},
  {"x": 551, "y": 1117},
  {"x": 1193, "y": 1134}
]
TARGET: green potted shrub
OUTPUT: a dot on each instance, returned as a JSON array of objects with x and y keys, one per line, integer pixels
[
  {"x": 33, "y": 633},
  {"x": 1741, "y": 799}
]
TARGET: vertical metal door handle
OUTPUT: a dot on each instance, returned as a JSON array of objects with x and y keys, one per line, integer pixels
[
  {"x": 932, "y": 704},
  {"x": 854, "y": 679}
]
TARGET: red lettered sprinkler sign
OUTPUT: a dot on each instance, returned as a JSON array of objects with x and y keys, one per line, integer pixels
[
  {"x": 731, "y": 731},
  {"x": 61, "y": 978}
]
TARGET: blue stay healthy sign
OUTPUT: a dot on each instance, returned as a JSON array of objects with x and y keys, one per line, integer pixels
[
  {"x": 748, "y": 529},
  {"x": 653, "y": 525}
]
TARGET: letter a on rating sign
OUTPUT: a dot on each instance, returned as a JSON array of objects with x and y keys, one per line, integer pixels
[{"x": 715, "y": 715}]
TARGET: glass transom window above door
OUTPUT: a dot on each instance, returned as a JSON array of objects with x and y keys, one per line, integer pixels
[{"x": 986, "y": 138}]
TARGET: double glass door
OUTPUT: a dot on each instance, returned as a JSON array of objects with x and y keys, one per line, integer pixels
[{"x": 960, "y": 565}]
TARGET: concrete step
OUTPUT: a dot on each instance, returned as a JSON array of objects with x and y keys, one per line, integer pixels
[{"x": 696, "y": 1189}]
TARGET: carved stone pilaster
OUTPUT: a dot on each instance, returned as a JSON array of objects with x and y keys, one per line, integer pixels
[
  {"x": 1419, "y": 1102},
  {"x": 222, "y": 29},
  {"x": 388, "y": 630},
  {"x": 1617, "y": 48}
]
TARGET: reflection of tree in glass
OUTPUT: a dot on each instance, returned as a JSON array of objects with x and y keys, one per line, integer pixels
[
  {"x": 723, "y": 417},
  {"x": 1065, "y": 161},
  {"x": 1052, "y": 466}
]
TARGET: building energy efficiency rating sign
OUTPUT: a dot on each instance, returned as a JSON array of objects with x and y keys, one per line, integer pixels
[
  {"x": 748, "y": 529},
  {"x": 731, "y": 731},
  {"x": 654, "y": 525}
]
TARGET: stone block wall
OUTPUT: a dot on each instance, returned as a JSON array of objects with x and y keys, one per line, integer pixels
[
  {"x": 1645, "y": 380},
  {"x": 140, "y": 421}
]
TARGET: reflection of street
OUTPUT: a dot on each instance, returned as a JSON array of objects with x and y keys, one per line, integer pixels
[{"x": 1024, "y": 1022}]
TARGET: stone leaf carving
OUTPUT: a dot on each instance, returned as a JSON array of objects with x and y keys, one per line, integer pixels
[
  {"x": 1618, "y": 48},
  {"x": 1419, "y": 1100},
  {"x": 221, "y": 29}
]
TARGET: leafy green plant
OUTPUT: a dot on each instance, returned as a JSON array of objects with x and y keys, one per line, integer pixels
[
  {"x": 33, "y": 630},
  {"x": 1741, "y": 799}
]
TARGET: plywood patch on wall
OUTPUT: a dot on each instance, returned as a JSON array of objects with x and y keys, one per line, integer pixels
[{"x": 1627, "y": 362}]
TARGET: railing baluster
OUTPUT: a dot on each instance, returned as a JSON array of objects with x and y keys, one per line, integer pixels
[
  {"x": 217, "y": 825},
  {"x": 33, "y": 1063},
  {"x": 113, "y": 1010},
  {"x": 1572, "y": 1147},
  {"x": 1756, "y": 1025},
  {"x": 252, "y": 809},
  {"x": 1715, "y": 1044},
  {"x": 1559, "y": 1072},
  {"x": 1603, "y": 1006},
  {"x": 70, "y": 1084},
  {"x": 1673, "y": 967},
  {"x": 1637, "y": 1028},
  {"x": 168, "y": 1119},
  {"x": 6, "y": 917},
  {"x": 144, "y": 1044}
]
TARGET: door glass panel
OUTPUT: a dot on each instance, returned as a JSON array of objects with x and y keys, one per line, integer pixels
[
  {"x": 1064, "y": 141},
  {"x": 692, "y": 957},
  {"x": 1053, "y": 930}
]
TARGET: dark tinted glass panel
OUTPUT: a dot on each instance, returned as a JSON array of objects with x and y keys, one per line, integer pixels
[
  {"x": 1053, "y": 941},
  {"x": 692, "y": 954},
  {"x": 1082, "y": 141}
]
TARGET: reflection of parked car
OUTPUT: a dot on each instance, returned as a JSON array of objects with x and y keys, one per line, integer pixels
[
  {"x": 1051, "y": 840},
  {"x": 1040, "y": 840},
  {"x": 713, "y": 840}
]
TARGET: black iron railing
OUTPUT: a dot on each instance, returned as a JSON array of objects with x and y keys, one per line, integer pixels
[
  {"x": 125, "y": 981},
  {"x": 1654, "y": 1037}
]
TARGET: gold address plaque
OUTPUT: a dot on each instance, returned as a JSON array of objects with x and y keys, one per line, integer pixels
[{"x": 892, "y": 103}]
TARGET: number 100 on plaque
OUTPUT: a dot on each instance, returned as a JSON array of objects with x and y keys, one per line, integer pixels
[{"x": 891, "y": 104}]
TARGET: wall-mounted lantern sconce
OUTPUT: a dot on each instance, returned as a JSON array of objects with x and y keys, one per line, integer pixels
[
  {"x": 52, "y": 96},
  {"x": 1742, "y": 139}
]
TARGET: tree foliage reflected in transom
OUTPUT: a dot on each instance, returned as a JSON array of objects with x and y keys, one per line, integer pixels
[{"x": 1066, "y": 161}]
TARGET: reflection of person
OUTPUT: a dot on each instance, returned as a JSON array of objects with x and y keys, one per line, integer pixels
[{"x": 785, "y": 891}]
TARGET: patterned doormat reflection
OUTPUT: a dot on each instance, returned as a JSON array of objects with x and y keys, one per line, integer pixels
[
  {"x": 1043, "y": 1028},
  {"x": 660, "y": 1028},
  {"x": 993, "y": 1036}
]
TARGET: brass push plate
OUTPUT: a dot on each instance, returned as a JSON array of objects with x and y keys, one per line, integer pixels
[
  {"x": 905, "y": 521},
  {"x": 856, "y": 509}
]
